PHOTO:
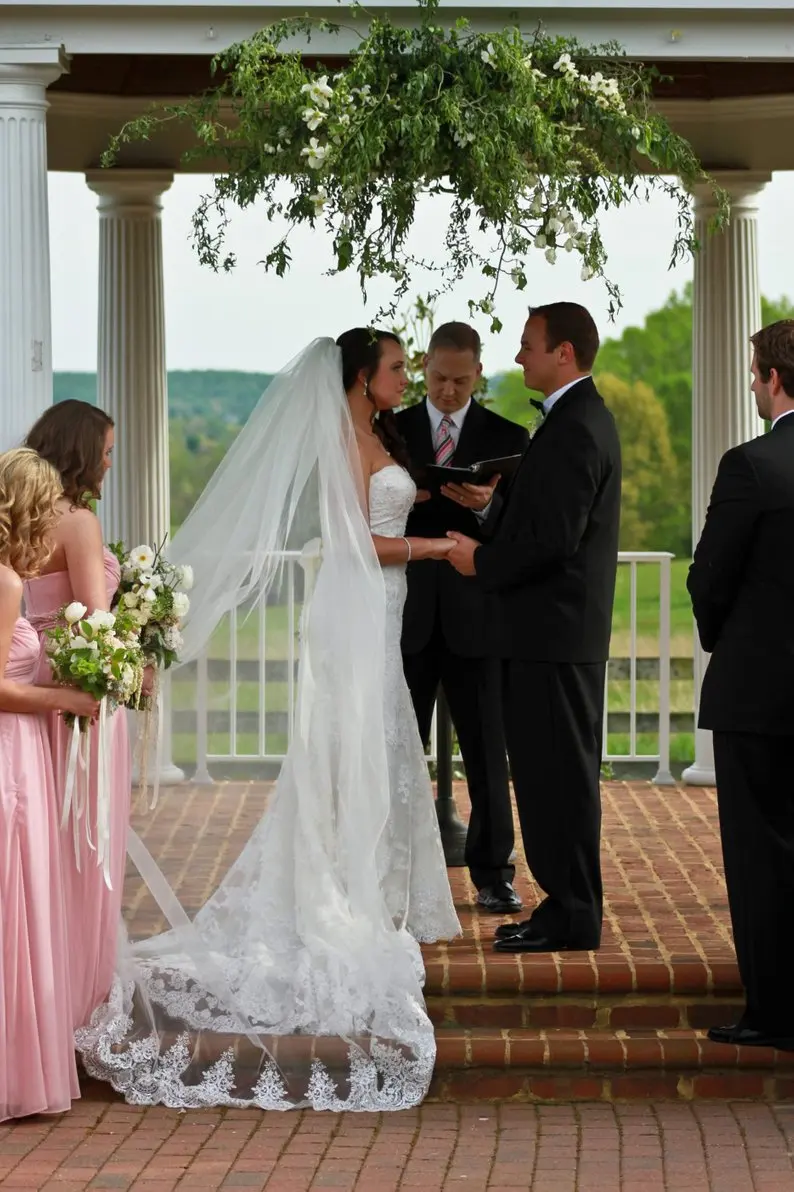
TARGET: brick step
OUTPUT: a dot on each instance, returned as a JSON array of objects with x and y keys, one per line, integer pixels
[
  {"x": 572, "y": 1065},
  {"x": 477, "y": 988}
]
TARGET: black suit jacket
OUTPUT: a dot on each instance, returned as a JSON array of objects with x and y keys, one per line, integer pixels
[
  {"x": 742, "y": 586},
  {"x": 553, "y": 555},
  {"x": 435, "y": 589}
]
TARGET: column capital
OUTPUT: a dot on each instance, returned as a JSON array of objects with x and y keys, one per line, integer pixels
[
  {"x": 129, "y": 191},
  {"x": 743, "y": 187},
  {"x": 26, "y": 71}
]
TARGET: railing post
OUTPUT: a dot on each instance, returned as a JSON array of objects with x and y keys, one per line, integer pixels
[
  {"x": 452, "y": 828},
  {"x": 202, "y": 777},
  {"x": 663, "y": 776}
]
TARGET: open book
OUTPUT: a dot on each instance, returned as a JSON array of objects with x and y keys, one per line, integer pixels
[{"x": 479, "y": 473}]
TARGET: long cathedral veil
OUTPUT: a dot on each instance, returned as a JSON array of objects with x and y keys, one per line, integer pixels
[{"x": 295, "y": 984}]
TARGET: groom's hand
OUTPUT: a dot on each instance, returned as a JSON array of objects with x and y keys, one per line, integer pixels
[{"x": 462, "y": 554}]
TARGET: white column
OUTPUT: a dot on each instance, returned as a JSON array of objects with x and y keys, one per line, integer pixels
[
  {"x": 132, "y": 383},
  {"x": 25, "y": 332},
  {"x": 726, "y": 312}
]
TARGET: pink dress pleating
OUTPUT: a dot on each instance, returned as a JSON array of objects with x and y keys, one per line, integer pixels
[
  {"x": 38, "y": 1073},
  {"x": 93, "y": 910}
]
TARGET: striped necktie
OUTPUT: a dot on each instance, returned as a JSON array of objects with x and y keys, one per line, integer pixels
[{"x": 445, "y": 447}]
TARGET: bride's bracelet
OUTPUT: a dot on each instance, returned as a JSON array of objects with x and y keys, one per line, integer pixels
[{"x": 408, "y": 544}]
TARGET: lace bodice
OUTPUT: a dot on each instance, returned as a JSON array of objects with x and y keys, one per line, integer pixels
[{"x": 392, "y": 493}]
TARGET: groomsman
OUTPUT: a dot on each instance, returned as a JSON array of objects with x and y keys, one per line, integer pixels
[
  {"x": 552, "y": 560},
  {"x": 742, "y": 587},
  {"x": 446, "y": 615}
]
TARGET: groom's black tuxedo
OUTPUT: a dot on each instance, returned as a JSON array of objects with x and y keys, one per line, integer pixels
[
  {"x": 742, "y": 587},
  {"x": 553, "y": 561},
  {"x": 445, "y": 636}
]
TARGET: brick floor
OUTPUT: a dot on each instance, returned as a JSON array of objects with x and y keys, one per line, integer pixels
[
  {"x": 665, "y": 901},
  {"x": 547, "y": 1148}
]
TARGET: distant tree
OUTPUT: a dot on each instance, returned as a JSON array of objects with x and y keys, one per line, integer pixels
[{"x": 649, "y": 507}]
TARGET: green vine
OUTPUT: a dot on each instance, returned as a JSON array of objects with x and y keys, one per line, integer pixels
[{"x": 533, "y": 140}]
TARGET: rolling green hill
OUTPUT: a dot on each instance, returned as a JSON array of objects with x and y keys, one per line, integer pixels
[{"x": 224, "y": 395}]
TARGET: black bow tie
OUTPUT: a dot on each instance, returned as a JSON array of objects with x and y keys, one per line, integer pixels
[{"x": 533, "y": 401}]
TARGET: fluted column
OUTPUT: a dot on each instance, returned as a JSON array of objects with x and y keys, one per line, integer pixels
[
  {"x": 726, "y": 312},
  {"x": 25, "y": 328},
  {"x": 132, "y": 382}
]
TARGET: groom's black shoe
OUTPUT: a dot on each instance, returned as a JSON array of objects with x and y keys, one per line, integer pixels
[
  {"x": 499, "y": 899},
  {"x": 526, "y": 937},
  {"x": 738, "y": 1035}
]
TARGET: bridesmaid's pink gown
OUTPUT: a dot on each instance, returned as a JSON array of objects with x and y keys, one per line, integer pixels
[
  {"x": 93, "y": 911},
  {"x": 38, "y": 1073}
]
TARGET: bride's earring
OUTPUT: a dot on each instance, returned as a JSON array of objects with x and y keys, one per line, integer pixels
[{"x": 366, "y": 388}]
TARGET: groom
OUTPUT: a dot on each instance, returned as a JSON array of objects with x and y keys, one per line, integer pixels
[
  {"x": 553, "y": 560},
  {"x": 742, "y": 587}
]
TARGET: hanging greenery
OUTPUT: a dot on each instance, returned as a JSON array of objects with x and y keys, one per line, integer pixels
[{"x": 532, "y": 139}]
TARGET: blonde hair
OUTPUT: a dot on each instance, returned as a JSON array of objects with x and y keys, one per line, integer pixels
[{"x": 29, "y": 488}]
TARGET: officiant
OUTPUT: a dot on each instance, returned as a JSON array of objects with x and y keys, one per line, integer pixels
[{"x": 444, "y": 624}]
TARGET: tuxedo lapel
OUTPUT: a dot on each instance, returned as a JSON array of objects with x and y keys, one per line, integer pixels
[
  {"x": 426, "y": 450},
  {"x": 468, "y": 449}
]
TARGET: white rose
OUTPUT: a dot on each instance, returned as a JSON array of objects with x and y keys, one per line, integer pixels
[
  {"x": 186, "y": 577},
  {"x": 82, "y": 643},
  {"x": 74, "y": 612},
  {"x": 130, "y": 600},
  {"x": 142, "y": 557},
  {"x": 148, "y": 595},
  {"x": 181, "y": 605},
  {"x": 100, "y": 619},
  {"x": 141, "y": 616}
]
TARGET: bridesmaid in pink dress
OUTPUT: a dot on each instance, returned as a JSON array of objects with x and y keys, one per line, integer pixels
[
  {"x": 77, "y": 439},
  {"x": 38, "y": 1073}
]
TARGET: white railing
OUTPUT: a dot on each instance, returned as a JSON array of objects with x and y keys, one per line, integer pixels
[{"x": 244, "y": 695}]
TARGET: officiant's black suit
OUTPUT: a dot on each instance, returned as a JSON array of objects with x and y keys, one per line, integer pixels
[
  {"x": 445, "y": 636},
  {"x": 552, "y": 561},
  {"x": 742, "y": 588}
]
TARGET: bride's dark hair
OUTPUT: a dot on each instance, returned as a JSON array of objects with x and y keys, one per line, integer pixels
[{"x": 361, "y": 352}]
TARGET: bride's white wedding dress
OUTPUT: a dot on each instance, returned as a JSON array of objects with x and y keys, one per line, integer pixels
[{"x": 300, "y": 981}]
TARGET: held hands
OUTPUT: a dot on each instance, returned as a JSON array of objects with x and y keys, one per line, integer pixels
[
  {"x": 461, "y": 556},
  {"x": 439, "y": 548},
  {"x": 471, "y": 496}
]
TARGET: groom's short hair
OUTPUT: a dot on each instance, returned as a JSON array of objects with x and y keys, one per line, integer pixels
[
  {"x": 458, "y": 336},
  {"x": 568, "y": 322},
  {"x": 774, "y": 348}
]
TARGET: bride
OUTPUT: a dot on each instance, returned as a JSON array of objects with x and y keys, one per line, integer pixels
[{"x": 299, "y": 983}]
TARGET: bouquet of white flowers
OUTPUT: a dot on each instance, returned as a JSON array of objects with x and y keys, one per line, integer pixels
[
  {"x": 153, "y": 593},
  {"x": 100, "y": 654}
]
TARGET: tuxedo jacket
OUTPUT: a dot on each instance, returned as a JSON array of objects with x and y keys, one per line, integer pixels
[
  {"x": 552, "y": 557},
  {"x": 435, "y": 589},
  {"x": 742, "y": 586}
]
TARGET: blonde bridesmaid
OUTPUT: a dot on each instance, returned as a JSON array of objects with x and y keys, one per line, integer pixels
[
  {"x": 37, "y": 1064},
  {"x": 77, "y": 439}
]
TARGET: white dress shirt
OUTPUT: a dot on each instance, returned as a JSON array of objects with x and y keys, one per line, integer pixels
[{"x": 785, "y": 414}]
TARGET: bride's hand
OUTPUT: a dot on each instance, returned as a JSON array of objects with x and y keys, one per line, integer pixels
[{"x": 440, "y": 547}]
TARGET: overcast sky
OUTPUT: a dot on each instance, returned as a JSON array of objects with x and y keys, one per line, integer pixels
[{"x": 256, "y": 322}]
